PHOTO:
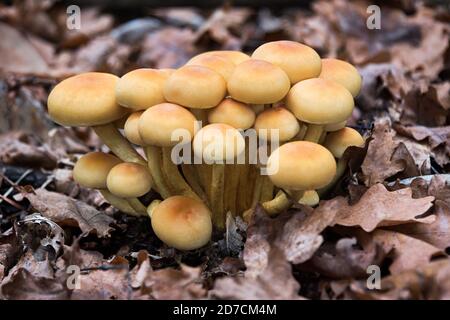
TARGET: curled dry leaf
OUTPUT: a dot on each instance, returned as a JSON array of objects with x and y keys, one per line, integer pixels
[
  {"x": 67, "y": 211},
  {"x": 276, "y": 282},
  {"x": 379, "y": 207}
]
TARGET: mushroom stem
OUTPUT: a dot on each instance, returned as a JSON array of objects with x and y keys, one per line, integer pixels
[
  {"x": 192, "y": 179},
  {"x": 313, "y": 133},
  {"x": 302, "y": 132},
  {"x": 322, "y": 137},
  {"x": 121, "y": 147},
  {"x": 152, "y": 206},
  {"x": 217, "y": 188},
  {"x": 257, "y": 189},
  {"x": 341, "y": 166},
  {"x": 267, "y": 190},
  {"x": 278, "y": 204},
  {"x": 154, "y": 159},
  {"x": 204, "y": 173},
  {"x": 137, "y": 206},
  {"x": 175, "y": 180},
  {"x": 231, "y": 187},
  {"x": 119, "y": 203}
]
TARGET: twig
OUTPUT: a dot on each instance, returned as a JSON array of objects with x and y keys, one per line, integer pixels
[{"x": 14, "y": 185}]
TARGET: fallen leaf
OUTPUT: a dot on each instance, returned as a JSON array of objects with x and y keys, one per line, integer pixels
[
  {"x": 67, "y": 211},
  {"x": 379, "y": 207}
]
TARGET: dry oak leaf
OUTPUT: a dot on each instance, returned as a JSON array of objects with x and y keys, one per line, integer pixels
[
  {"x": 276, "y": 282},
  {"x": 67, "y": 211},
  {"x": 408, "y": 253},
  {"x": 379, "y": 207},
  {"x": 378, "y": 164}
]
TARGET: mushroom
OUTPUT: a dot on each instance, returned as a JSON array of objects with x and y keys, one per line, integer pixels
[
  {"x": 299, "y": 61},
  {"x": 234, "y": 56},
  {"x": 319, "y": 102},
  {"x": 299, "y": 166},
  {"x": 337, "y": 142},
  {"x": 158, "y": 126},
  {"x": 182, "y": 222},
  {"x": 91, "y": 171},
  {"x": 129, "y": 180},
  {"x": 240, "y": 116},
  {"x": 343, "y": 73},
  {"x": 88, "y": 99},
  {"x": 221, "y": 65},
  {"x": 131, "y": 128},
  {"x": 309, "y": 198},
  {"x": 218, "y": 144},
  {"x": 258, "y": 82},
  {"x": 141, "y": 88}
]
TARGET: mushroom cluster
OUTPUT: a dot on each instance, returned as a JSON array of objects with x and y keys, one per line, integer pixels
[{"x": 219, "y": 135}]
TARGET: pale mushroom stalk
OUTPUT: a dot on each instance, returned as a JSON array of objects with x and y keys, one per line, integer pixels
[
  {"x": 217, "y": 197},
  {"x": 154, "y": 161},
  {"x": 192, "y": 178},
  {"x": 110, "y": 135},
  {"x": 309, "y": 198},
  {"x": 175, "y": 180},
  {"x": 119, "y": 203},
  {"x": 137, "y": 205},
  {"x": 267, "y": 190}
]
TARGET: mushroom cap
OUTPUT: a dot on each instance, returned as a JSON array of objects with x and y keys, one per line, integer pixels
[
  {"x": 310, "y": 198},
  {"x": 195, "y": 87},
  {"x": 338, "y": 141},
  {"x": 219, "y": 64},
  {"x": 234, "y": 56},
  {"x": 84, "y": 100},
  {"x": 320, "y": 101},
  {"x": 182, "y": 222},
  {"x": 258, "y": 82},
  {"x": 234, "y": 113},
  {"x": 129, "y": 180},
  {"x": 301, "y": 165},
  {"x": 91, "y": 170},
  {"x": 343, "y": 73},
  {"x": 335, "y": 126},
  {"x": 131, "y": 128},
  {"x": 299, "y": 61},
  {"x": 277, "y": 118},
  {"x": 158, "y": 123},
  {"x": 141, "y": 88},
  {"x": 218, "y": 142}
]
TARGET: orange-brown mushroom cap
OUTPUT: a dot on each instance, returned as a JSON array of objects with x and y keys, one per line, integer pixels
[
  {"x": 182, "y": 222},
  {"x": 258, "y": 82},
  {"x": 158, "y": 124},
  {"x": 219, "y": 64},
  {"x": 320, "y": 101},
  {"x": 301, "y": 165},
  {"x": 338, "y": 141},
  {"x": 92, "y": 169},
  {"x": 87, "y": 99},
  {"x": 234, "y": 113},
  {"x": 141, "y": 88},
  {"x": 131, "y": 128},
  {"x": 195, "y": 87},
  {"x": 234, "y": 56},
  {"x": 277, "y": 118},
  {"x": 299, "y": 61},
  {"x": 343, "y": 73},
  {"x": 129, "y": 180}
]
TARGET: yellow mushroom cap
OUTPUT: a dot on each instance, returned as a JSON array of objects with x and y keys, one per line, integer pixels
[
  {"x": 84, "y": 100},
  {"x": 258, "y": 82},
  {"x": 301, "y": 165},
  {"x": 158, "y": 123},
  {"x": 277, "y": 118},
  {"x": 310, "y": 198},
  {"x": 342, "y": 72},
  {"x": 218, "y": 142},
  {"x": 131, "y": 128},
  {"x": 129, "y": 180},
  {"x": 91, "y": 170},
  {"x": 338, "y": 141},
  {"x": 320, "y": 101},
  {"x": 234, "y": 56},
  {"x": 195, "y": 87},
  {"x": 234, "y": 113},
  {"x": 141, "y": 88},
  {"x": 335, "y": 126},
  {"x": 167, "y": 72},
  {"x": 182, "y": 222},
  {"x": 219, "y": 64},
  {"x": 299, "y": 61}
]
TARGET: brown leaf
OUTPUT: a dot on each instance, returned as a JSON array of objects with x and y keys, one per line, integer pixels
[
  {"x": 379, "y": 207},
  {"x": 67, "y": 211},
  {"x": 276, "y": 282},
  {"x": 378, "y": 164}
]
